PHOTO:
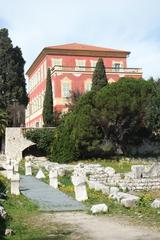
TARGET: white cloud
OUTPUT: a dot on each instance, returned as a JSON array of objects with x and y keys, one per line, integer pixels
[{"x": 125, "y": 24}]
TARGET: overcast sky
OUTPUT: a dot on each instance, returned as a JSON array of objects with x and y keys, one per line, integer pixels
[{"x": 132, "y": 25}]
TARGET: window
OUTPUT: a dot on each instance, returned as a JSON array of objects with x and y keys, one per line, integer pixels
[
  {"x": 45, "y": 69},
  {"x": 41, "y": 72},
  {"x": 80, "y": 65},
  {"x": 57, "y": 63},
  {"x": 88, "y": 86},
  {"x": 37, "y": 124},
  {"x": 39, "y": 75},
  {"x": 66, "y": 88},
  {"x": 116, "y": 67},
  {"x": 93, "y": 63}
]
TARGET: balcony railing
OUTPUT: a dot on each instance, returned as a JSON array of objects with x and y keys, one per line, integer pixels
[{"x": 89, "y": 70}]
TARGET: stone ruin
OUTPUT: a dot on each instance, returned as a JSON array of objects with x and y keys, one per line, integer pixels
[
  {"x": 141, "y": 177},
  {"x": 79, "y": 181}
]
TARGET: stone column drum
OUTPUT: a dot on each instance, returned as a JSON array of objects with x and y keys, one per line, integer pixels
[
  {"x": 79, "y": 183},
  {"x": 28, "y": 168},
  {"x": 16, "y": 167},
  {"x": 15, "y": 184},
  {"x": 53, "y": 180},
  {"x": 9, "y": 171}
]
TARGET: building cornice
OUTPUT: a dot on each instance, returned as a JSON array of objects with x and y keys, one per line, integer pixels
[{"x": 67, "y": 52}]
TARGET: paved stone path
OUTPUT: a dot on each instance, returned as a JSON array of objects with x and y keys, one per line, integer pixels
[{"x": 46, "y": 197}]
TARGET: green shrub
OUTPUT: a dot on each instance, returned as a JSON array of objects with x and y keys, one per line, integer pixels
[
  {"x": 43, "y": 138},
  {"x": 107, "y": 121}
]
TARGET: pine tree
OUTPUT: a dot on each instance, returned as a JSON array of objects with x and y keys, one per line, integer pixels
[
  {"x": 12, "y": 81},
  {"x": 99, "y": 78},
  {"x": 48, "y": 115}
]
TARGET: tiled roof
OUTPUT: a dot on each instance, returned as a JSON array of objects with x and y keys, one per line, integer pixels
[{"x": 78, "y": 46}]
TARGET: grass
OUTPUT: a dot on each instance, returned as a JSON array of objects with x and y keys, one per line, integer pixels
[
  {"x": 66, "y": 185},
  {"x": 27, "y": 222},
  {"x": 20, "y": 215},
  {"x": 142, "y": 213},
  {"x": 121, "y": 166}
]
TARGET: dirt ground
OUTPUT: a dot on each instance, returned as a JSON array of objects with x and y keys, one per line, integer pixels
[{"x": 89, "y": 227}]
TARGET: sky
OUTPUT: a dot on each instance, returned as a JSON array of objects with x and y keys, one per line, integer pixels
[{"x": 132, "y": 25}]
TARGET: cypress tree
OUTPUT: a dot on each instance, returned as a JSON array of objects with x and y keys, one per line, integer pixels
[
  {"x": 48, "y": 115},
  {"x": 99, "y": 79},
  {"x": 12, "y": 80}
]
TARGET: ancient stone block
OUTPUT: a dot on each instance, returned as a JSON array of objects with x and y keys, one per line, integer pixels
[
  {"x": 99, "y": 208},
  {"x": 28, "y": 168},
  {"x": 9, "y": 171},
  {"x": 137, "y": 171},
  {"x": 156, "y": 203},
  {"x": 79, "y": 183},
  {"x": 53, "y": 180},
  {"x": 40, "y": 174},
  {"x": 15, "y": 184},
  {"x": 128, "y": 202}
]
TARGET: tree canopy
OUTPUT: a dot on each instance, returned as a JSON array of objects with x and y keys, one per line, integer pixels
[
  {"x": 48, "y": 115},
  {"x": 99, "y": 79},
  {"x": 12, "y": 80},
  {"x": 120, "y": 114},
  {"x": 3, "y": 122},
  {"x": 128, "y": 110}
]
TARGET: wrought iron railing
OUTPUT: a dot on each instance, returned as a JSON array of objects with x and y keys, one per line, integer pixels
[{"x": 82, "y": 69}]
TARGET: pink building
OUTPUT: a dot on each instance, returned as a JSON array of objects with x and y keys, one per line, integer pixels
[{"x": 72, "y": 66}]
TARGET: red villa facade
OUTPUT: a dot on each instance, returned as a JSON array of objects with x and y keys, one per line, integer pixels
[{"x": 72, "y": 66}]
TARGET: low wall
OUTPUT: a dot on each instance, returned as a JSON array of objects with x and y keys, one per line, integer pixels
[{"x": 137, "y": 184}]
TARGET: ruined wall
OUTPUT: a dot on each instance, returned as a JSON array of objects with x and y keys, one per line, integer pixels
[{"x": 15, "y": 143}]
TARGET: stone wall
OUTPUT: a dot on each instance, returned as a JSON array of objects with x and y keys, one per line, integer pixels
[
  {"x": 135, "y": 184},
  {"x": 149, "y": 179},
  {"x": 15, "y": 143}
]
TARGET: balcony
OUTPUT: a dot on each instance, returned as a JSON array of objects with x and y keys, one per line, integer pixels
[{"x": 89, "y": 70}]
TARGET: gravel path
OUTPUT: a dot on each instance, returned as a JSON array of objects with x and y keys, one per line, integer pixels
[
  {"x": 46, "y": 197},
  {"x": 89, "y": 227}
]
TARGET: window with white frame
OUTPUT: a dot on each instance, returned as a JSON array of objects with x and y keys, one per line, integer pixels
[
  {"x": 117, "y": 66},
  {"x": 88, "y": 86},
  {"x": 93, "y": 63},
  {"x": 66, "y": 88},
  {"x": 45, "y": 69},
  {"x": 80, "y": 65},
  {"x": 57, "y": 63},
  {"x": 39, "y": 76},
  {"x": 41, "y": 72}
]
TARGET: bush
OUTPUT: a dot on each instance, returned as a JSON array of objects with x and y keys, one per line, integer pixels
[
  {"x": 79, "y": 136},
  {"x": 109, "y": 120},
  {"x": 63, "y": 146},
  {"x": 43, "y": 138}
]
